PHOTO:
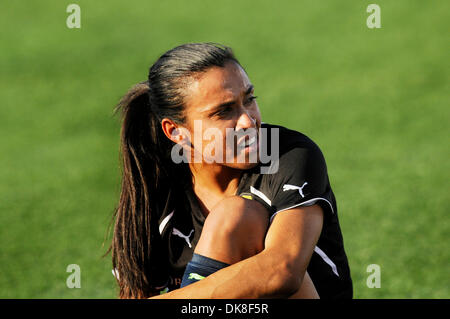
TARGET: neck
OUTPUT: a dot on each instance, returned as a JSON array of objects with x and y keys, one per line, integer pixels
[
  {"x": 215, "y": 179},
  {"x": 213, "y": 182}
]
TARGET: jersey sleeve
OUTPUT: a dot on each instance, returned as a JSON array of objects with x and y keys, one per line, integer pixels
[{"x": 301, "y": 180}]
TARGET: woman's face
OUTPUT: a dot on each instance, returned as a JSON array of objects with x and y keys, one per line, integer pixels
[{"x": 223, "y": 118}]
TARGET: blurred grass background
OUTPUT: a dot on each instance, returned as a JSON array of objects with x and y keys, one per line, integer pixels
[{"x": 375, "y": 100}]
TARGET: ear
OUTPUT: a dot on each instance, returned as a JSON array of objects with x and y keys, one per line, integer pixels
[{"x": 172, "y": 130}]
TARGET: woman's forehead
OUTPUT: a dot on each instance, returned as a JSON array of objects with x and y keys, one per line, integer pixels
[{"x": 217, "y": 85}]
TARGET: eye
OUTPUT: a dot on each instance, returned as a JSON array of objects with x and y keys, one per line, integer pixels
[
  {"x": 223, "y": 112},
  {"x": 250, "y": 99}
]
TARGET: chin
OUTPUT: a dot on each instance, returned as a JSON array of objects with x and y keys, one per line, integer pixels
[{"x": 243, "y": 166}]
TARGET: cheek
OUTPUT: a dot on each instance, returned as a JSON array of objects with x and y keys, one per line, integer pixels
[
  {"x": 257, "y": 115},
  {"x": 215, "y": 136}
]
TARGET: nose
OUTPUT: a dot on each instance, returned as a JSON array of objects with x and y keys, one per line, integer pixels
[{"x": 245, "y": 121}]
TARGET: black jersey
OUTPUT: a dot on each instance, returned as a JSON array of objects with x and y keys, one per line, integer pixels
[{"x": 300, "y": 179}]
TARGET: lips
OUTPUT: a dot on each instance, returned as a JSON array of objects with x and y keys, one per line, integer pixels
[
  {"x": 247, "y": 140},
  {"x": 250, "y": 141}
]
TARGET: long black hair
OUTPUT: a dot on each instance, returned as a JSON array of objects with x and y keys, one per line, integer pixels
[{"x": 149, "y": 176}]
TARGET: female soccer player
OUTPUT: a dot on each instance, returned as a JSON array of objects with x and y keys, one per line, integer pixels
[{"x": 202, "y": 212}]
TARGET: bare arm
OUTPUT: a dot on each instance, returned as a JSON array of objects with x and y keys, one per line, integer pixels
[{"x": 277, "y": 271}]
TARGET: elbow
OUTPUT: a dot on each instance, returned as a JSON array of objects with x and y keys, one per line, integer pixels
[{"x": 285, "y": 281}]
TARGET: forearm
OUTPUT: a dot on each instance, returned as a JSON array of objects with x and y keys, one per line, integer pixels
[
  {"x": 260, "y": 276},
  {"x": 277, "y": 272}
]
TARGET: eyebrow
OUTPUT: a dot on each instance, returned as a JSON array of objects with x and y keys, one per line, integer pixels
[{"x": 230, "y": 103}]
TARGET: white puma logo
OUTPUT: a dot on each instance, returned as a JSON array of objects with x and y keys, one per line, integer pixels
[
  {"x": 288, "y": 187},
  {"x": 180, "y": 234}
]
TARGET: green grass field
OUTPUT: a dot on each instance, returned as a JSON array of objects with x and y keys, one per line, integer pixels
[{"x": 375, "y": 100}]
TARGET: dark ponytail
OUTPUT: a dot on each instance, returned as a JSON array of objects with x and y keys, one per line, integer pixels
[
  {"x": 144, "y": 170},
  {"x": 140, "y": 259}
]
